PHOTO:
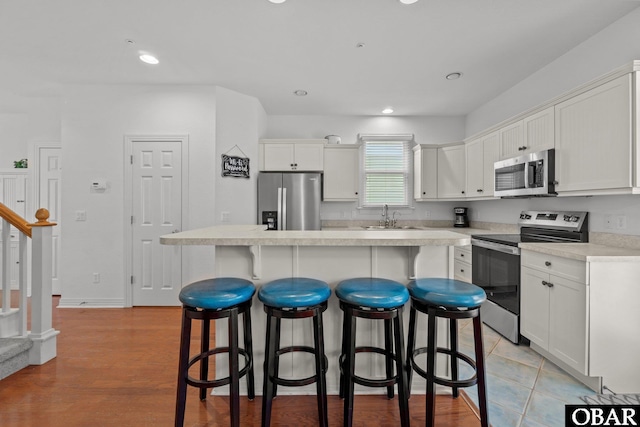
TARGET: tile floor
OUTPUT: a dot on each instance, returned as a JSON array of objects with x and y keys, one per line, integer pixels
[{"x": 524, "y": 389}]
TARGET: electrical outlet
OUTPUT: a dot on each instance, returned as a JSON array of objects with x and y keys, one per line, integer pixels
[
  {"x": 224, "y": 216},
  {"x": 96, "y": 277},
  {"x": 621, "y": 222},
  {"x": 608, "y": 222},
  {"x": 81, "y": 215},
  {"x": 427, "y": 214}
]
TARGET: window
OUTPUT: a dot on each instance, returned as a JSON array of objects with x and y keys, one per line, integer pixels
[{"x": 386, "y": 169}]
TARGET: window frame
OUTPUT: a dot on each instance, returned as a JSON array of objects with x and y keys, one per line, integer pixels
[{"x": 408, "y": 142}]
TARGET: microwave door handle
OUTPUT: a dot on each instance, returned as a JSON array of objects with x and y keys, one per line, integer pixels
[{"x": 530, "y": 174}]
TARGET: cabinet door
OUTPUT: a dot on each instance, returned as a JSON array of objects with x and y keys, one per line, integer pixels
[
  {"x": 451, "y": 172},
  {"x": 511, "y": 140},
  {"x": 425, "y": 173},
  {"x": 568, "y": 322},
  {"x": 491, "y": 154},
  {"x": 475, "y": 168},
  {"x": 279, "y": 157},
  {"x": 308, "y": 157},
  {"x": 539, "y": 131},
  {"x": 340, "y": 173},
  {"x": 534, "y": 306},
  {"x": 594, "y": 138}
]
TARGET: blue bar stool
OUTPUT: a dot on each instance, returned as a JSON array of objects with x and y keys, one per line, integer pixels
[
  {"x": 207, "y": 300},
  {"x": 294, "y": 298},
  {"x": 449, "y": 299},
  {"x": 373, "y": 298}
]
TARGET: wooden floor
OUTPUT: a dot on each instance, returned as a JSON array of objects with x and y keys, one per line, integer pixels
[{"x": 117, "y": 367}]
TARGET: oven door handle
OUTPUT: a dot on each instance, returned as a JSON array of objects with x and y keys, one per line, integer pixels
[{"x": 512, "y": 250}]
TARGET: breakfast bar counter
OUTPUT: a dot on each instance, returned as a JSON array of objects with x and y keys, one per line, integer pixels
[{"x": 253, "y": 253}]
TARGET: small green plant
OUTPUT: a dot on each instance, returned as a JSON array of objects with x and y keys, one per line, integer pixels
[{"x": 20, "y": 164}]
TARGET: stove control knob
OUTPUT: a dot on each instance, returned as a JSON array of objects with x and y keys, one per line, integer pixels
[
  {"x": 567, "y": 217},
  {"x": 527, "y": 216},
  {"x": 575, "y": 218},
  {"x": 523, "y": 216}
]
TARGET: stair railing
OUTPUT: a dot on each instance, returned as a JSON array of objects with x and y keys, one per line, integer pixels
[{"x": 13, "y": 320}]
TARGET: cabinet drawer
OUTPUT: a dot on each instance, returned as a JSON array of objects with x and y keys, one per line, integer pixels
[
  {"x": 462, "y": 271},
  {"x": 563, "y": 267},
  {"x": 462, "y": 253}
]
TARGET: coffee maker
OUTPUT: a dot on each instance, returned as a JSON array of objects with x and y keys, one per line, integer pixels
[{"x": 461, "y": 217}]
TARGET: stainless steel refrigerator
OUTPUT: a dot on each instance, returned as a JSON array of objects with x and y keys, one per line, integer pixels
[{"x": 289, "y": 200}]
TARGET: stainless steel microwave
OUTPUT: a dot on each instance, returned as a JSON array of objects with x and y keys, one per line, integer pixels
[{"x": 529, "y": 175}]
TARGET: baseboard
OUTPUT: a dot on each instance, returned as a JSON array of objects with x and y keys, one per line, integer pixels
[{"x": 90, "y": 303}]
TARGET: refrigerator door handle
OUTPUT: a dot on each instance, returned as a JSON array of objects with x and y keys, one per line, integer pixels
[
  {"x": 279, "y": 208},
  {"x": 284, "y": 208}
]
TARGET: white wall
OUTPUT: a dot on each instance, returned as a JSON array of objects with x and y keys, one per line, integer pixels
[
  {"x": 95, "y": 120},
  {"x": 240, "y": 123},
  {"x": 13, "y": 139},
  {"x": 427, "y": 130},
  {"x": 613, "y": 47}
]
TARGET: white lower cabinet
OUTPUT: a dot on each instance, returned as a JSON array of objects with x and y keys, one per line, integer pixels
[
  {"x": 553, "y": 313},
  {"x": 583, "y": 315},
  {"x": 462, "y": 263}
]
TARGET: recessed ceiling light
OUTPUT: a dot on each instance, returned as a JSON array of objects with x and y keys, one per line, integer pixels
[
  {"x": 149, "y": 59},
  {"x": 359, "y": 45},
  {"x": 300, "y": 92},
  {"x": 387, "y": 111},
  {"x": 277, "y": 1},
  {"x": 408, "y": 1},
  {"x": 453, "y": 76}
]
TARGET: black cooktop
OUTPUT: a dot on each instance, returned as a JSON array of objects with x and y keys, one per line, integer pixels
[{"x": 505, "y": 239}]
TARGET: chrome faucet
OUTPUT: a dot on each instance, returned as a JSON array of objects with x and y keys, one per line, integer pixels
[{"x": 385, "y": 216}]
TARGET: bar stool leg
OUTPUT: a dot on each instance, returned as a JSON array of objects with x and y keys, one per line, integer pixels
[
  {"x": 276, "y": 348},
  {"x": 349, "y": 368},
  {"x": 388, "y": 345},
  {"x": 321, "y": 383},
  {"x": 204, "y": 347},
  {"x": 181, "y": 398},
  {"x": 453, "y": 333},
  {"x": 411, "y": 344},
  {"x": 480, "y": 371},
  {"x": 234, "y": 373},
  {"x": 403, "y": 395},
  {"x": 431, "y": 366},
  {"x": 269, "y": 362},
  {"x": 248, "y": 346},
  {"x": 345, "y": 348}
]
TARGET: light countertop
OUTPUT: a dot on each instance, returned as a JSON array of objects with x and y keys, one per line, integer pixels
[
  {"x": 589, "y": 252},
  {"x": 249, "y": 235}
]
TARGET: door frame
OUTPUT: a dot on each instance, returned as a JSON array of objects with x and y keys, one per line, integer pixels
[
  {"x": 33, "y": 202},
  {"x": 129, "y": 140}
]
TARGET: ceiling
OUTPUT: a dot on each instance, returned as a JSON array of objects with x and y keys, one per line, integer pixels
[{"x": 270, "y": 50}]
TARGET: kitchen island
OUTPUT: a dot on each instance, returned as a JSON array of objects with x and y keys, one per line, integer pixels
[{"x": 250, "y": 252}]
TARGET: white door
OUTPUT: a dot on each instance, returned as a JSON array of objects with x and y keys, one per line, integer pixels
[
  {"x": 49, "y": 186},
  {"x": 156, "y": 201}
]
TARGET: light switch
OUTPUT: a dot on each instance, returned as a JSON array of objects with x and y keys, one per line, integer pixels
[{"x": 81, "y": 215}]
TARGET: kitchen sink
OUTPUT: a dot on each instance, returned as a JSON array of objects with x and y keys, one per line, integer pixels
[{"x": 382, "y": 227}]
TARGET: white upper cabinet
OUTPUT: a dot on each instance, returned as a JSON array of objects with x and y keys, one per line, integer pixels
[
  {"x": 529, "y": 135},
  {"x": 481, "y": 154},
  {"x": 451, "y": 172},
  {"x": 594, "y": 139},
  {"x": 425, "y": 172},
  {"x": 341, "y": 165},
  {"x": 291, "y": 155}
]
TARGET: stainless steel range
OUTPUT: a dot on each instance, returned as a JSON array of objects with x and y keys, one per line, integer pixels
[{"x": 496, "y": 262}]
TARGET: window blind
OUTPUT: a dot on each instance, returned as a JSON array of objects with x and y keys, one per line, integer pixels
[{"x": 386, "y": 170}]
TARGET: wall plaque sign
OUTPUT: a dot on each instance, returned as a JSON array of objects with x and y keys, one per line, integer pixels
[{"x": 234, "y": 166}]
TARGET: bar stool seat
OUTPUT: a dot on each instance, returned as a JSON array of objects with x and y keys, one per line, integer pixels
[
  {"x": 207, "y": 300},
  {"x": 450, "y": 299},
  {"x": 381, "y": 299},
  {"x": 294, "y": 298}
]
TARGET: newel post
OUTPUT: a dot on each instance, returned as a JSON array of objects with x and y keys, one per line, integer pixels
[{"x": 42, "y": 333}]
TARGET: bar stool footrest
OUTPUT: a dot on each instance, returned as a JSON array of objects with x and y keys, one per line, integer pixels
[
  {"x": 370, "y": 382},
  {"x": 287, "y": 382},
  {"x": 445, "y": 381},
  {"x": 221, "y": 381}
]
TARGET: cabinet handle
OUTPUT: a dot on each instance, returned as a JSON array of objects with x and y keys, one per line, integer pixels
[
  {"x": 479, "y": 190},
  {"x": 19, "y": 201},
  {"x": 548, "y": 284},
  {"x": 547, "y": 263},
  {"x": 462, "y": 191},
  {"x": 462, "y": 270},
  {"x": 424, "y": 192},
  {"x": 555, "y": 183},
  {"x": 462, "y": 255},
  {"x": 356, "y": 193}
]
